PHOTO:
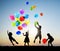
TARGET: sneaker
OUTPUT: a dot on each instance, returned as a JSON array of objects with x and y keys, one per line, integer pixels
[
  {"x": 39, "y": 41},
  {"x": 34, "y": 41}
]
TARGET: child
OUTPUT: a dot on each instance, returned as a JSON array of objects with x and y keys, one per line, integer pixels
[
  {"x": 26, "y": 40},
  {"x": 39, "y": 33},
  {"x": 50, "y": 39},
  {"x": 11, "y": 38}
]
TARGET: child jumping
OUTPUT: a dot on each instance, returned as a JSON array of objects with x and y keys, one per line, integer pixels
[{"x": 38, "y": 33}]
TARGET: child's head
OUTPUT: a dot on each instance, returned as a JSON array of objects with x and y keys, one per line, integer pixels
[
  {"x": 10, "y": 33},
  {"x": 48, "y": 34}
]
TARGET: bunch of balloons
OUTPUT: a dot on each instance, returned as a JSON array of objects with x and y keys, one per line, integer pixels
[{"x": 19, "y": 20}]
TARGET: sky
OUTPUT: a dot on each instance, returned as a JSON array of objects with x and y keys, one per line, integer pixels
[{"x": 49, "y": 21}]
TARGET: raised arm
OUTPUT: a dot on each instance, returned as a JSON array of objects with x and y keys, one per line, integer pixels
[
  {"x": 7, "y": 32},
  {"x": 23, "y": 34},
  {"x": 36, "y": 26}
]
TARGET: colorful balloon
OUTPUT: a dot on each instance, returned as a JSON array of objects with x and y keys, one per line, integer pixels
[
  {"x": 13, "y": 24},
  {"x": 35, "y": 23},
  {"x": 26, "y": 16},
  {"x": 17, "y": 19},
  {"x": 44, "y": 40},
  {"x": 17, "y": 15},
  {"x": 33, "y": 6},
  {"x": 24, "y": 25},
  {"x": 12, "y": 17},
  {"x": 27, "y": 2},
  {"x": 36, "y": 15},
  {"x": 21, "y": 11},
  {"x": 20, "y": 28},
  {"x": 22, "y": 18},
  {"x": 18, "y": 32},
  {"x": 17, "y": 23},
  {"x": 27, "y": 22},
  {"x": 41, "y": 14}
]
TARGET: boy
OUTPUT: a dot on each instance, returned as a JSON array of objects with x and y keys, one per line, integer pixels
[{"x": 50, "y": 39}]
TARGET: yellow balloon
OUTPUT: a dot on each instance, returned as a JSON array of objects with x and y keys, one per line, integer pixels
[
  {"x": 27, "y": 22},
  {"x": 33, "y": 6},
  {"x": 17, "y": 19}
]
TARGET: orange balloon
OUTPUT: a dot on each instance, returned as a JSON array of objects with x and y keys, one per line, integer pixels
[{"x": 41, "y": 14}]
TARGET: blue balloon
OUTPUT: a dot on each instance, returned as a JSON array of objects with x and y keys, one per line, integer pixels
[
  {"x": 36, "y": 15},
  {"x": 18, "y": 32},
  {"x": 26, "y": 16},
  {"x": 17, "y": 23},
  {"x": 17, "y": 15},
  {"x": 27, "y": 2}
]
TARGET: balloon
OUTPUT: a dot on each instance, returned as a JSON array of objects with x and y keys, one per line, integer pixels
[
  {"x": 12, "y": 17},
  {"x": 41, "y": 14},
  {"x": 22, "y": 18},
  {"x": 17, "y": 19},
  {"x": 44, "y": 40},
  {"x": 13, "y": 24},
  {"x": 20, "y": 28},
  {"x": 33, "y": 6},
  {"x": 27, "y": 2},
  {"x": 24, "y": 25},
  {"x": 21, "y": 11},
  {"x": 36, "y": 15},
  {"x": 17, "y": 23},
  {"x": 35, "y": 23},
  {"x": 27, "y": 22},
  {"x": 26, "y": 16},
  {"x": 18, "y": 32},
  {"x": 17, "y": 15}
]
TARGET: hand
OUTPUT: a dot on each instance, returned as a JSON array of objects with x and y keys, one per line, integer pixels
[{"x": 37, "y": 23}]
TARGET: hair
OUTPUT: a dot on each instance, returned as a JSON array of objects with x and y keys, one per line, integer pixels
[{"x": 48, "y": 34}]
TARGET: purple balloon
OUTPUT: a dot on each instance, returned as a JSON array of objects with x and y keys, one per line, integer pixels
[
  {"x": 24, "y": 25},
  {"x": 21, "y": 11}
]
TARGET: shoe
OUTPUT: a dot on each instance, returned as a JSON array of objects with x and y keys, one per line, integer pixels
[
  {"x": 17, "y": 43},
  {"x": 39, "y": 41},
  {"x": 34, "y": 41}
]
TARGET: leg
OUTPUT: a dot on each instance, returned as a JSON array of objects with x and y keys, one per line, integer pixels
[
  {"x": 28, "y": 43},
  {"x": 48, "y": 43},
  {"x": 25, "y": 44},
  {"x": 14, "y": 40},
  {"x": 35, "y": 38},
  {"x": 51, "y": 44},
  {"x": 39, "y": 39}
]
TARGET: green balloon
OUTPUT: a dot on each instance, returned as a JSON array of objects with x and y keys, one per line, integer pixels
[
  {"x": 35, "y": 23},
  {"x": 13, "y": 24},
  {"x": 31, "y": 8}
]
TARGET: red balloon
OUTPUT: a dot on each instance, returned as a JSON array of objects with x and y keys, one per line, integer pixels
[
  {"x": 44, "y": 40},
  {"x": 22, "y": 18},
  {"x": 20, "y": 28}
]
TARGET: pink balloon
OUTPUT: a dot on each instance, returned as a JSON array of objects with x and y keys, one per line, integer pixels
[{"x": 12, "y": 17}]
